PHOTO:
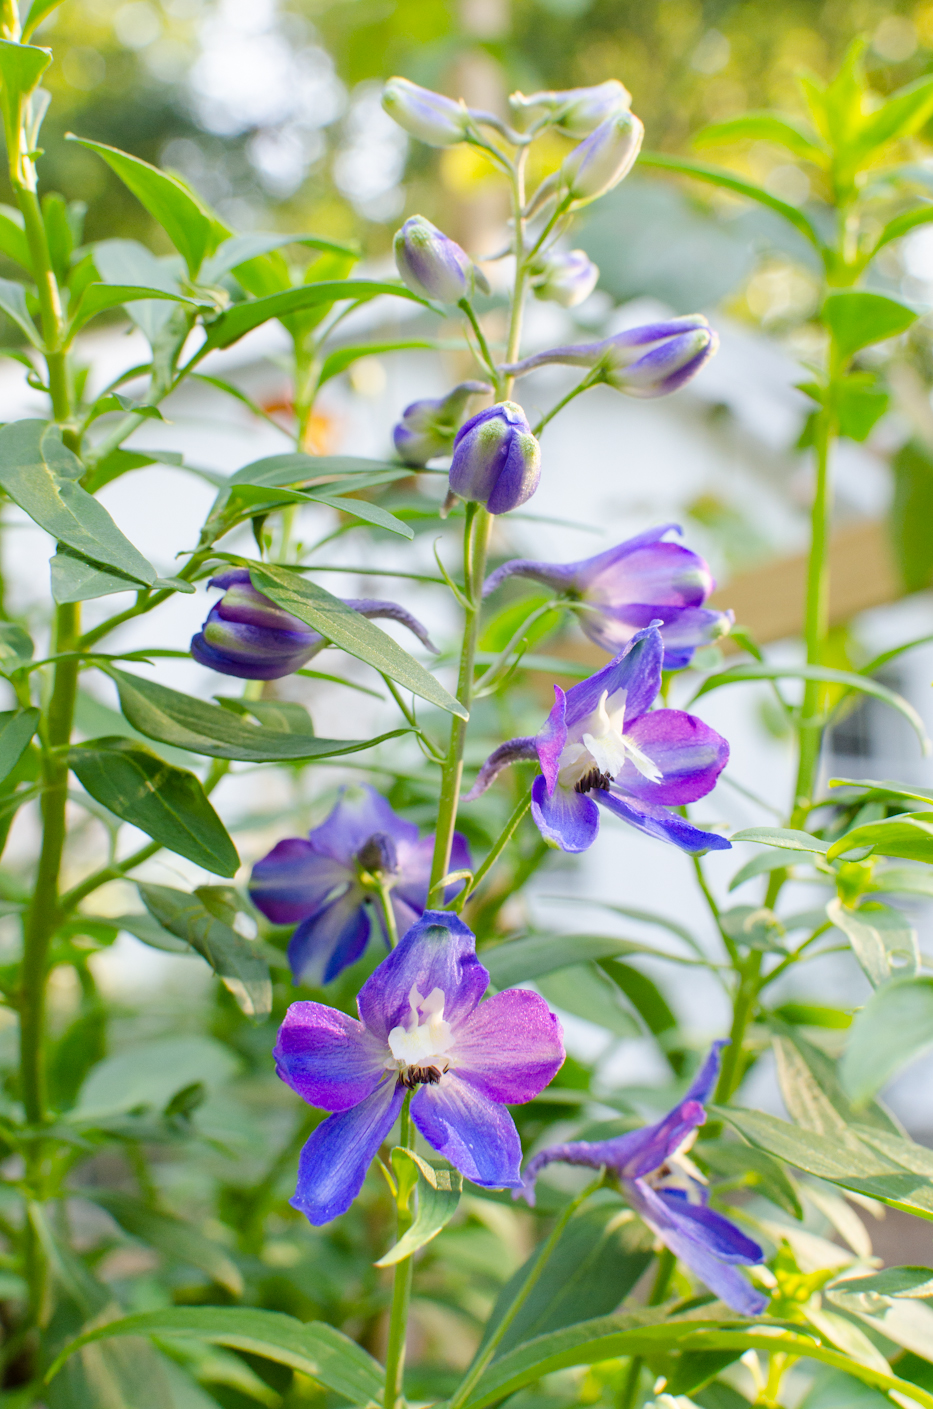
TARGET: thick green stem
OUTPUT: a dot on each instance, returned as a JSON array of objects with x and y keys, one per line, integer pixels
[{"x": 401, "y": 1288}]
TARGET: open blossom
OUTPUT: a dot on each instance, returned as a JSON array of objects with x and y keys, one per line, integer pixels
[
  {"x": 497, "y": 460},
  {"x": 421, "y": 1028},
  {"x": 248, "y": 635},
  {"x": 325, "y": 883},
  {"x": 624, "y": 589},
  {"x": 603, "y": 741},
  {"x": 667, "y": 1190},
  {"x": 652, "y": 360},
  {"x": 428, "y": 427}
]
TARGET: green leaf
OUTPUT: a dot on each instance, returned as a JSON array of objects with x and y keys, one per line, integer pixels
[
  {"x": 785, "y": 132},
  {"x": 912, "y": 513},
  {"x": 40, "y": 475},
  {"x": 772, "y": 860},
  {"x": 38, "y": 11},
  {"x": 907, "y": 1322},
  {"x": 859, "y": 404},
  {"x": 900, "y": 115},
  {"x": 311, "y": 1348},
  {"x": 529, "y": 958},
  {"x": 230, "y": 326},
  {"x": 857, "y": 319},
  {"x": 21, "y": 67},
  {"x": 883, "y": 939},
  {"x": 649, "y": 1003},
  {"x": 195, "y": 919},
  {"x": 903, "y": 880},
  {"x": 242, "y": 249},
  {"x": 76, "y": 579},
  {"x": 762, "y": 1172},
  {"x": 909, "y": 835},
  {"x": 167, "y": 803},
  {"x": 175, "y": 1237},
  {"x": 585, "y": 991},
  {"x": 12, "y": 236},
  {"x": 351, "y": 632},
  {"x": 13, "y": 304},
  {"x": 166, "y": 198},
  {"x": 901, "y": 225},
  {"x": 890, "y": 1282},
  {"x": 438, "y": 1193},
  {"x": 149, "y": 1074},
  {"x": 98, "y": 298},
  {"x": 16, "y": 730},
  {"x": 787, "y": 838},
  {"x": 172, "y": 718},
  {"x": 16, "y": 647},
  {"x": 344, "y": 357},
  {"x": 893, "y": 1028},
  {"x": 148, "y": 931},
  {"x": 369, "y": 513},
  {"x": 740, "y": 673},
  {"x": 812, "y": 1091}
]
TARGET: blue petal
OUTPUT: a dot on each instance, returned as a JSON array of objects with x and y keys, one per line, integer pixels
[
  {"x": 569, "y": 819},
  {"x": 437, "y": 952},
  {"x": 704, "y": 1083},
  {"x": 475, "y": 1134},
  {"x": 295, "y": 881},
  {"x": 358, "y": 815},
  {"x": 660, "y": 822},
  {"x": 327, "y": 943},
  {"x": 637, "y": 671},
  {"x": 334, "y": 1162}
]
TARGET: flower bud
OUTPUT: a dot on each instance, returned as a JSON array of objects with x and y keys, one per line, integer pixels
[
  {"x": 602, "y": 159},
  {"x": 575, "y": 111},
  {"x": 428, "y": 427},
  {"x": 432, "y": 118},
  {"x": 432, "y": 264},
  {"x": 497, "y": 461},
  {"x": 566, "y": 279}
]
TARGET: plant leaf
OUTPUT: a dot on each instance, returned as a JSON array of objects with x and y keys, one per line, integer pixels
[
  {"x": 787, "y": 838},
  {"x": 585, "y": 991},
  {"x": 338, "y": 361},
  {"x": 240, "y": 249},
  {"x": 167, "y": 803},
  {"x": 857, "y": 319},
  {"x": 175, "y": 1237},
  {"x": 16, "y": 730},
  {"x": 97, "y": 298},
  {"x": 13, "y": 303},
  {"x": 38, "y": 11},
  {"x": 12, "y": 236},
  {"x": 768, "y": 1175},
  {"x": 369, "y": 513},
  {"x": 351, "y": 632},
  {"x": 150, "y": 1074},
  {"x": 883, "y": 939},
  {"x": 765, "y": 127},
  {"x": 894, "y": 1027},
  {"x": 909, "y": 835},
  {"x": 890, "y": 1282},
  {"x": 230, "y": 326},
  {"x": 438, "y": 1191}
]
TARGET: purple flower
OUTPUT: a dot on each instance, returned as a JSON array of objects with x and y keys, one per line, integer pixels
[
  {"x": 434, "y": 119},
  {"x": 497, "y": 461},
  {"x": 652, "y": 360},
  {"x": 575, "y": 111},
  {"x": 566, "y": 278},
  {"x": 422, "y": 1028},
  {"x": 603, "y": 741},
  {"x": 668, "y": 1192},
  {"x": 428, "y": 427},
  {"x": 248, "y": 635},
  {"x": 603, "y": 158},
  {"x": 325, "y": 882},
  {"x": 642, "y": 580},
  {"x": 432, "y": 264}
]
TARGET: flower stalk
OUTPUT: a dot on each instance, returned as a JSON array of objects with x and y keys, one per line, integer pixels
[{"x": 401, "y": 1286}]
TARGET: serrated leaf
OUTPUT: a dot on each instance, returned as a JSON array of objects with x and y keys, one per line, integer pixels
[
  {"x": 175, "y": 1237},
  {"x": 438, "y": 1191},
  {"x": 40, "y": 475},
  {"x": 167, "y": 803},
  {"x": 857, "y": 319},
  {"x": 351, "y": 632},
  {"x": 16, "y": 730},
  {"x": 883, "y": 939},
  {"x": 230, "y": 326},
  {"x": 894, "y": 1027}
]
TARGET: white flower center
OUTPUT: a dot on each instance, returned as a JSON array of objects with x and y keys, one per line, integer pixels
[
  {"x": 419, "y": 1045},
  {"x": 679, "y": 1172},
  {"x": 602, "y": 745}
]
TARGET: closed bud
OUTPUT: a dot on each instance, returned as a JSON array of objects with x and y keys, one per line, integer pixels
[
  {"x": 497, "y": 461},
  {"x": 432, "y": 118},
  {"x": 575, "y": 111},
  {"x": 566, "y": 278},
  {"x": 602, "y": 159},
  {"x": 428, "y": 427},
  {"x": 432, "y": 264}
]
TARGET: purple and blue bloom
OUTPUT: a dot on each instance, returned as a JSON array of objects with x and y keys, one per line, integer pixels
[
  {"x": 496, "y": 461},
  {"x": 429, "y": 116},
  {"x": 433, "y": 264},
  {"x": 642, "y": 580},
  {"x": 652, "y": 360},
  {"x": 422, "y": 1028},
  {"x": 668, "y": 1192},
  {"x": 603, "y": 741},
  {"x": 324, "y": 883},
  {"x": 566, "y": 277},
  {"x": 428, "y": 427},
  {"x": 247, "y": 635}
]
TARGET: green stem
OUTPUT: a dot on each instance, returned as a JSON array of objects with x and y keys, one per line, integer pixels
[
  {"x": 480, "y": 337},
  {"x": 662, "y": 1281},
  {"x": 401, "y": 1287},
  {"x": 388, "y": 914},
  {"x": 501, "y": 842},
  {"x": 549, "y": 416}
]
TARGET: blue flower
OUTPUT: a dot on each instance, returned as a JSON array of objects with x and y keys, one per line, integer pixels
[
  {"x": 603, "y": 741},
  {"x": 325, "y": 883},
  {"x": 666, "y": 1190},
  {"x": 645, "y": 362},
  {"x": 497, "y": 461},
  {"x": 422, "y": 1028},
  {"x": 428, "y": 427},
  {"x": 431, "y": 263}
]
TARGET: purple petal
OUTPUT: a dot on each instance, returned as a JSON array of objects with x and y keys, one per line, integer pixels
[
  {"x": 437, "y": 952},
  {"x": 652, "y": 1146},
  {"x": 581, "y": 574},
  {"x": 569, "y": 819},
  {"x": 294, "y": 880},
  {"x": 391, "y": 611},
  {"x": 517, "y": 480},
  {"x": 666, "y": 826},
  {"x": 689, "y": 754},
  {"x": 414, "y": 873},
  {"x": 329, "y": 941},
  {"x": 358, "y": 815},
  {"x": 327, "y": 1057},
  {"x": 334, "y": 1162},
  {"x": 510, "y": 1047},
  {"x": 665, "y": 573},
  {"x": 513, "y": 751},
  {"x": 637, "y": 671},
  {"x": 552, "y": 739},
  {"x": 703, "y": 1084},
  {"x": 475, "y": 1134}
]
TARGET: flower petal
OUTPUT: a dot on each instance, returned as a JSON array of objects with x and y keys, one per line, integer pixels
[
  {"x": 358, "y": 814},
  {"x": 334, "y": 1162},
  {"x": 666, "y": 826},
  {"x": 437, "y": 952},
  {"x": 330, "y": 941},
  {"x": 510, "y": 1047},
  {"x": 328, "y": 1057},
  {"x": 512, "y": 751},
  {"x": 688, "y": 753},
  {"x": 569, "y": 819},
  {"x": 295, "y": 880},
  {"x": 637, "y": 671},
  {"x": 683, "y": 629},
  {"x": 552, "y": 738},
  {"x": 665, "y": 573},
  {"x": 703, "y": 1084},
  {"x": 475, "y": 1134},
  {"x": 649, "y": 1148}
]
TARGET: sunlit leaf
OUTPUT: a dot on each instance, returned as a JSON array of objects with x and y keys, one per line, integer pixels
[
  {"x": 857, "y": 319},
  {"x": 437, "y": 1190},
  {"x": 230, "y": 326},
  {"x": 883, "y": 939},
  {"x": 16, "y": 730}
]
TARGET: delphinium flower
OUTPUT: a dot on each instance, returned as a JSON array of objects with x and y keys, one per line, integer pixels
[
  {"x": 428, "y": 427},
  {"x": 665, "y": 1189},
  {"x": 652, "y": 360},
  {"x": 497, "y": 460},
  {"x": 603, "y": 741},
  {"x": 642, "y": 580},
  {"x": 429, "y": 116},
  {"x": 421, "y": 1029},
  {"x": 574, "y": 111},
  {"x": 247, "y": 635},
  {"x": 328, "y": 882},
  {"x": 431, "y": 263},
  {"x": 564, "y": 277}
]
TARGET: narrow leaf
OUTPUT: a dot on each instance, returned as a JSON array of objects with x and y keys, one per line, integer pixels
[
  {"x": 765, "y": 127},
  {"x": 344, "y": 357},
  {"x": 883, "y": 939},
  {"x": 438, "y": 1193},
  {"x": 175, "y": 1237},
  {"x": 891, "y": 1282},
  {"x": 894, "y": 1027},
  {"x": 230, "y": 326},
  {"x": 12, "y": 235},
  {"x": 369, "y": 513},
  {"x": 13, "y": 303},
  {"x": 909, "y": 836},
  {"x": 787, "y": 838},
  {"x": 16, "y": 729},
  {"x": 98, "y": 298}
]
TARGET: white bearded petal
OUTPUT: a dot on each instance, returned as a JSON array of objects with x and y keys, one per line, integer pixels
[
  {"x": 608, "y": 751},
  {"x": 642, "y": 762}
]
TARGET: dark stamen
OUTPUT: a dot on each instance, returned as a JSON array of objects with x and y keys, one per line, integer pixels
[
  {"x": 420, "y": 1076},
  {"x": 593, "y": 779}
]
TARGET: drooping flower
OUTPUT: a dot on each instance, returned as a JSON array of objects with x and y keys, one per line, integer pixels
[
  {"x": 433, "y": 264},
  {"x": 602, "y": 159},
  {"x": 603, "y": 741},
  {"x": 496, "y": 461},
  {"x": 326, "y": 883},
  {"x": 652, "y": 360},
  {"x": 664, "y": 1187},
  {"x": 624, "y": 589},
  {"x": 575, "y": 111},
  {"x": 247, "y": 635},
  {"x": 565, "y": 278},
  {"x": 422, "y": 1028},
  {"x": 428, "y": 427},
  {"x": 429, "y": 116}
]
